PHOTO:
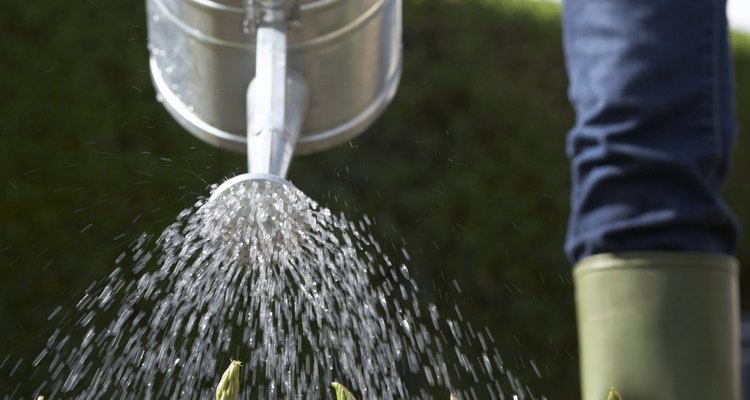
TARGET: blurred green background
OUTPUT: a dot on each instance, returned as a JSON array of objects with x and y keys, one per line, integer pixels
[{"x": 467, "y": 166}]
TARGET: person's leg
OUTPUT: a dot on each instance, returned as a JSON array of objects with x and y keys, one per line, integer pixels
[
  {"x": 658, "y": 325},
  {"x": 651, "y": 84},
  {"x": 651, "y": 239}
]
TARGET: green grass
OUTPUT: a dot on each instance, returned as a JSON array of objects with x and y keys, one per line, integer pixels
[{"x": 467, "y": 167}]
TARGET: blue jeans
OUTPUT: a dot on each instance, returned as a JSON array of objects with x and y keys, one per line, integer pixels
[{"x": 651, "y": 83}]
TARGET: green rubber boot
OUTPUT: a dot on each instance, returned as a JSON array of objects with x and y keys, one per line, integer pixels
[{"x": 659, "y": 326}]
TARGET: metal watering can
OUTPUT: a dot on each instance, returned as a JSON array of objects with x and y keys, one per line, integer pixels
[{"x": 274, "y": 77}]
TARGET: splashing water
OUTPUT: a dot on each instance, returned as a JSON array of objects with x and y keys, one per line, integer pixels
[{"x": 264, "y": 275}]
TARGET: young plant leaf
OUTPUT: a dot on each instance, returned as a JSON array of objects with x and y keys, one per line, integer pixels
[
  {"x": 229, "y": 385},
  {"x": 342, "y": 393},
  {"x": 614, "y": 395}
]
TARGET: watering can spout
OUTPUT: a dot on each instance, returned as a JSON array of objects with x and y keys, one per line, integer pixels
[
  {"x": 276, "y": 112},
  {"x": 277, "y": 97}
]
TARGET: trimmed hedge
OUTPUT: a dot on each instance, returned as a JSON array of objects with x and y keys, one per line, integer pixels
[{"x": 467, "y": 167}]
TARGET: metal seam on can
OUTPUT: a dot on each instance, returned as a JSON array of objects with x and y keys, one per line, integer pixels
[
  {"x": 229, "y": 141},
  {"x": 352, "y": 26},
  {"x": 215, "y": 5},
  {"x": 196, "y": 34},
  {"x": 319, "y": 41}
]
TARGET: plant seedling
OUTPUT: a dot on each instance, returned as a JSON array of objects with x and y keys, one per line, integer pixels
[
  {"x": 342, "y": 393},
  {"x": 229, "y": 385},
  {"x": 614, "y": 394}
]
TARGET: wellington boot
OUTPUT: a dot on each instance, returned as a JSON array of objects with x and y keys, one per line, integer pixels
[{"x": 659, "y": 326}]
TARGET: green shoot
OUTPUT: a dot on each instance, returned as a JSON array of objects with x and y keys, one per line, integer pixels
[
  {"x": 614, "y": 395},
  {"x": 229, "y": 385},
  {"x": 342, "y": 393}
]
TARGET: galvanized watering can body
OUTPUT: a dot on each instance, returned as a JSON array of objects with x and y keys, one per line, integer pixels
[{"x": 203, "y": 59}]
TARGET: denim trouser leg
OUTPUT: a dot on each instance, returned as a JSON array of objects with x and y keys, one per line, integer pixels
[{"x": 651, "y": 83}]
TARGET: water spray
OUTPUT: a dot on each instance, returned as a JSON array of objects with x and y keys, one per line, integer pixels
[{"x": 274, "y": 78}]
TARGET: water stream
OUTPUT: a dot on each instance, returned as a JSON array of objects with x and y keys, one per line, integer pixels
[{"x": 265, "y": 275}]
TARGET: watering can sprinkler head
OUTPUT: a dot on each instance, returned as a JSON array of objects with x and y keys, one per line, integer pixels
[{"x": 246, "y": 182}]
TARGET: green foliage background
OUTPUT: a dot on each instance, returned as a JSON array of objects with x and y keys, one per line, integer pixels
[{"x": 467, "y": 167}]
